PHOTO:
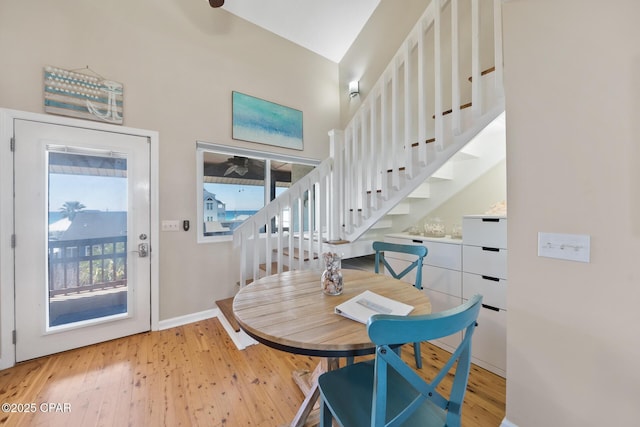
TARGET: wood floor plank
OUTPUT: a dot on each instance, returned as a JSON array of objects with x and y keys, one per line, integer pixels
[{"x": 192, "y": 375}]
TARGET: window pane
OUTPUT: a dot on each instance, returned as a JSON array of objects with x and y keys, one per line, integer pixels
[
  {"x": 235, "y": 187},
  {"x": 233, "y": 191}
]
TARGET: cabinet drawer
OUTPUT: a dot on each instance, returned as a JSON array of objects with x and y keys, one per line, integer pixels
[
  {"x": 485, "y": 261},
  {"x": 485, "y": 231},
  {"x": 442, "y": 280},
  {"x": 441, "y": 302},
  {"x": 489, "y": 346},
  {"x": 445, "y": 255},
  {"x": 400, "y": 241},
  {"x": 492, "y": 289}
]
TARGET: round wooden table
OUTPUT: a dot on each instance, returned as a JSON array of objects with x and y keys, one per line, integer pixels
[{"x": 289, "y": 311}]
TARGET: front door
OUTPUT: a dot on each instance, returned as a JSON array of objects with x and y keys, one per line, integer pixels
[{"x": 82, "y": 212}]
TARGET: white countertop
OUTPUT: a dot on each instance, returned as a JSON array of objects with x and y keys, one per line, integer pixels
[{"x": 446, "y": 239}]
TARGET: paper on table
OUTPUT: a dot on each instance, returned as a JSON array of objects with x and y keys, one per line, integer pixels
[{"x": 365, "y": 305}]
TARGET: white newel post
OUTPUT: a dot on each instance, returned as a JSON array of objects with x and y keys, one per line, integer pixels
[{"x": 336, "y": 187}]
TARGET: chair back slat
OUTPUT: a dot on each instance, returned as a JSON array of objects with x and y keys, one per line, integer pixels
[{"x": 419, "y": 251}]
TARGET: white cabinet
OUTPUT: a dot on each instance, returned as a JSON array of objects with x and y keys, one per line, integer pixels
[
  {"x": 455, "y": 270},
  {"x": 441, "y": 274},
  {"x": 484, "y": 271}
]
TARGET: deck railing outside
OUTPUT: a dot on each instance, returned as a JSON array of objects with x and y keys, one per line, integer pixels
[{"x": 85, "y": 265}]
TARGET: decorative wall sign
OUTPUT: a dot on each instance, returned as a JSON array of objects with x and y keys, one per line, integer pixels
[
  {"x": 257, "y": 120},
  {"x": 85, "y": 96}
]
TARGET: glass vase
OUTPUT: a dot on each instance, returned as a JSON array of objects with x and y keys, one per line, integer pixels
[{"x": 331, "y": 280}]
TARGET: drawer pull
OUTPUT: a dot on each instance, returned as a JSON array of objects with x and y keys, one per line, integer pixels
[
  {"x": 416, "y": 241},
  {"x": 490, "y": 307},
  {"x": 490, "y": 219},
  {"x": 485, "y": 248},
  {"x": 493, "y": 279}
]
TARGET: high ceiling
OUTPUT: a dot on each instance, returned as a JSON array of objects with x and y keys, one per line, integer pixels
[{"x": 327, "y": 27}]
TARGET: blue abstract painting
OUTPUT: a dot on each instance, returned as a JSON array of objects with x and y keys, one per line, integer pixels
[{"x": 257, "y": 120}]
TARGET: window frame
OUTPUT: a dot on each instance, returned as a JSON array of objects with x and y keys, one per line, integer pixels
[{"x": 202, "y": 147}]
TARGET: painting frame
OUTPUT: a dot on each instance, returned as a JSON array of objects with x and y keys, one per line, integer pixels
[
  {"x": 265, "y": 122},
  {"x": 79, "y": 94}
]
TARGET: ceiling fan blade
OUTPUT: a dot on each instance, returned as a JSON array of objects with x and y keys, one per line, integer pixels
[{"x": 216, "y": 3}]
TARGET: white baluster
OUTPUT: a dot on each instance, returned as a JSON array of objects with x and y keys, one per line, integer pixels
[
  {"x": 455, "y": 70},
  {"x": 385, "y": 140},
  {"x": 336, "y": 187},
  {"x": 422, "y": 96},
  {"x": 476, "y": 91},
  {"x": 438, "y": 75},
  {"x": 497, "y": 39},
  {"x": 408, "y": 113},
  {"x": 395, "y": 137},
  {"x": 375, "y": 150}
]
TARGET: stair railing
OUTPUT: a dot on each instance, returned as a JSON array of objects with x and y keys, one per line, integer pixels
[
  {"x": 289, "y": 230},
  {"x": 400, "y": 135}
]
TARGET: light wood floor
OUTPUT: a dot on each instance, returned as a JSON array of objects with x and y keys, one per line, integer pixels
[{"x": 188, "y": 376}]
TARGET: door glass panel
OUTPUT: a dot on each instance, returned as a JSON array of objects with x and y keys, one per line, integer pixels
[{"x": 87, "y": 238}]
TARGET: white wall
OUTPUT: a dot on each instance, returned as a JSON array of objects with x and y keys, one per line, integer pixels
[
  {"x": 374, "y": 48},
  {"x": 179, "y": 61},
  {"x": 572, "y": 70}
]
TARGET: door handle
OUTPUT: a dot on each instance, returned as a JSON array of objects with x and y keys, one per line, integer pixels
[{"x": 143, "y": 250}]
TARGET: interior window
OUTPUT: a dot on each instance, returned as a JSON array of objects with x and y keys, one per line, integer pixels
[{"x": 235, "y": 184}]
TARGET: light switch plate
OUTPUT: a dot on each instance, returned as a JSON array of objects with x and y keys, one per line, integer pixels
[
  {"x": 170, "y": 225},
  {"x": 571, "y": 247}
]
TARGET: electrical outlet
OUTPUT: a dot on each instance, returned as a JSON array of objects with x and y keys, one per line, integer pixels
[{"x": 170, "y": 225}]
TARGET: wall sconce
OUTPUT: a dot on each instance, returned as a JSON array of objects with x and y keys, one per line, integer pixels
[{"x": 354, "y": 89}]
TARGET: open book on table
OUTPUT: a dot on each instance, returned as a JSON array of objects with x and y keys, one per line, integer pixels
[{"x": 368, "y": 303}]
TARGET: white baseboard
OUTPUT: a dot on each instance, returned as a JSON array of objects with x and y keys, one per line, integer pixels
[
  {"x": 507, "y": 423},
  {"x": 240, "y": 339},
  {"x": 189, "y": 318}
]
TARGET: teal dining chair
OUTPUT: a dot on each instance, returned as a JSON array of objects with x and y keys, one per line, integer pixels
[
  {"x": 420, "y": 252},
  {"x": 387, "y": 392}
]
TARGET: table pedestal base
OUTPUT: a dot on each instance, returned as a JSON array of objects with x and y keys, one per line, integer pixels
[{"x": 309, "y": 413}]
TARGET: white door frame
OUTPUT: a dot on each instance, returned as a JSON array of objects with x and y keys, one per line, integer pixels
[{"x": 7, "y": 300}]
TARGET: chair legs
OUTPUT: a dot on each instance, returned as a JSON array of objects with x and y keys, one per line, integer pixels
[
  {"x": 326, "y": 417},
  {"x": 416, "y": 352}
]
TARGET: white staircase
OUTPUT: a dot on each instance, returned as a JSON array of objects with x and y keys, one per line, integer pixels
[
  {"x": 476, "y": 158},
  {"x": 407, "y": 129}
]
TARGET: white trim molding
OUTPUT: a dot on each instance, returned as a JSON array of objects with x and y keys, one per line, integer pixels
[
  {"x": 188, "y": 318},
  {"x": 507, "y": 423}
]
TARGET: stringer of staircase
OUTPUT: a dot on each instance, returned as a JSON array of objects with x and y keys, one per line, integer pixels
[{"x": 410, "y": 123}]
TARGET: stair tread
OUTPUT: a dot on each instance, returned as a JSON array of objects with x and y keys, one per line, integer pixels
[
  {"x": 226, "y": 309},
  {"x": 274, "y": 267},
  {"x": 296, "y": 254}
]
